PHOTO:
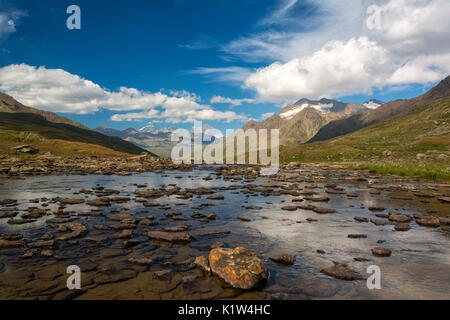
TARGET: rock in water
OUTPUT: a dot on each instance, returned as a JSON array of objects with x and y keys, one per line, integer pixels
[
  {"x": 399, "y": 217},
  {"x": 428, "y": 221},
  {"x": 285, "y": 258},
  {"x": 170, "y": 237},
  {"x": 402, "y": 227},
  {"x": 381, "y": 252},
  {"x": 323, "y": 210},
  {"x": 342, "y": 272},
  {"x": 203, "y": 263},
  {"x": 238, "y": 267}
]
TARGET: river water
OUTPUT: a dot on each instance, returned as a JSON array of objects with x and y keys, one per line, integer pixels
[{"x": 417, "y": 269}]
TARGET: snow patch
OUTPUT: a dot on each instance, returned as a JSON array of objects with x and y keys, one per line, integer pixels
[{"x": 322, "y": 107}]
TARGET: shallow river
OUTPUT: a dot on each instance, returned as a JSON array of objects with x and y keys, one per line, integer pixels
[{"x": 419, "y": 267}]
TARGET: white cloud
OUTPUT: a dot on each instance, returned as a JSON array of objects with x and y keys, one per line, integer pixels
[
  {"x": 337, "y": 68},
  {"x": 232, "y": 102},
  {"x": 410, "y": 45},
  {"x": 8, "y": 22},
  {"x": 226, "y": 74},
  {"x": 60, "y": 91}
]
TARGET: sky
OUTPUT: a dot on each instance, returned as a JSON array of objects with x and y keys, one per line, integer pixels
[{"x": 223, "y": 62}]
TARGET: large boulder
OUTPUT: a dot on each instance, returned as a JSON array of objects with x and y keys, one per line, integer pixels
[{"x": 239, "y": 267}]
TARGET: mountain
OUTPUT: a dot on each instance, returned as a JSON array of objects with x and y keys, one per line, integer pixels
[
  {"x": 301, "y": 121},
  {"x": 150, "y": 128},
  {"x": 48, "y": 132},
  {"x": 366, "y": 118},
  {"x": 373, "y": 104},
  {"x": 414, "y": 142},
  {"x": 10, "y": 105},
  {"x": 149, "y": 137}
]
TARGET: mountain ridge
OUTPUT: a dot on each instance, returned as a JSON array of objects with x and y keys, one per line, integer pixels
[{"x": 366, "y": 118}]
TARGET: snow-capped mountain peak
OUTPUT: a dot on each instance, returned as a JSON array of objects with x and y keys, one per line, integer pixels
[
  {"x": 297, "y": 108},
  {"x": 373, "y": 104}
]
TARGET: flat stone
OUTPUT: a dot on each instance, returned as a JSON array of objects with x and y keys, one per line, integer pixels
[
  {"x": 361, "y": 219},
  {"x": 342, "y": 272},
  {"x": 357, "y": 236},
  {"x": 170, "y": 237},
  {"x": 141, "y": 261},
  {"x": 8, "y": 214},
  {"x": 381, "y": 252},
  {"x": 399, "y": 217},
  {"x": 402, "y": 227},
  {"x": 428, "y": 221},
  {"x": 9, "y": 244},
  {"x": 69, "y": 201},
  {"x": 285, "y": 258},
  {"x": 42, "y": 244},
  {"x": 289, "y": 208},
  {"x": 178, "y": 228},
  {"x": 323, "y": 210}
]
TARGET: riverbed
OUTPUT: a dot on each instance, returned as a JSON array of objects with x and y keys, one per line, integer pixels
[{"x": 253, "y": 214}]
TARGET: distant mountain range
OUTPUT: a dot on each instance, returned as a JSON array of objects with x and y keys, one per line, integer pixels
[
  {"x": 155, "y": 140},
  {"x": 49, "y": 132},
  {"x": 149, "y": 137},
  {"x": 301, "y": 121}
]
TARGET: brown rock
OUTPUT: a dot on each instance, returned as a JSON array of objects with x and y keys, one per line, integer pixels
[
  {"x": 342, "y": 272},
  {"x": 381, "y": 252},
  {"x": 285, "y": 258},
  {"x": 170, "y": 237},
  {"x": 323, "y": 210},
  {"x": 9, "y": 244},
  {"x": 203, "y": 263},
  {"x": 238, "y": 267},
  {"x": 428, "y": 221},
  {"x": 402, "y": 227},
  {"x": 399, "y": 217}
]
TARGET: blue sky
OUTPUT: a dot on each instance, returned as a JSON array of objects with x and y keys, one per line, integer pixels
[{"x": 178, "y": 55}]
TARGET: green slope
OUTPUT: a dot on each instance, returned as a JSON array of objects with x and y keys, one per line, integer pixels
[
  {"x": 33, "y": 125},
  {"x": 416, "y": 142},
  {"x": 10, "y": 105},
  {"x": 366, "y": 118}
]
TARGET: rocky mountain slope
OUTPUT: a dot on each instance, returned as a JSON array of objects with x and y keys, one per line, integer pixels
[
  {"x": 366, "y": 118},
  {"x": 413, "y": 142},
  {"x": 301, "y": 121}
]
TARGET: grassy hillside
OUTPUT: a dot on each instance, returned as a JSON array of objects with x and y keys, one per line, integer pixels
[
  {"x": 416, "y": 142},
  {"x": 10, "y": 105},
  {"x": 58, "y": 138},
  {"x": 366, "y": 118}
]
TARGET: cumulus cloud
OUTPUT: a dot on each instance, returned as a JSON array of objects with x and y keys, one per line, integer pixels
[
  {"x": 408, "y": 45},
  {"x": 232, "y": 102},
  {"x": 335, "y": 69},
  {"x": 60, "y": 91}
]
